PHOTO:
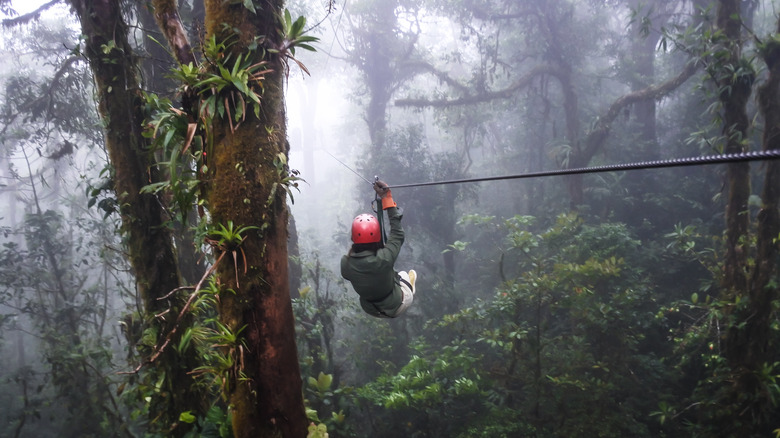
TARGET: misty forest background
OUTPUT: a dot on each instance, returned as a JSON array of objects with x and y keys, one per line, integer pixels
[{"x": 641, "y": 303}]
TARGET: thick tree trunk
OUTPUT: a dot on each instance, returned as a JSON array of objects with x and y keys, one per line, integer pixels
[
  {"x": 265, "y": 391},
  {"x": 378, "y": 69},
  {"x": 746, "y": 344},
  {"x": 769, "y": 216},
  {"x": 643, "y": 75},
  {"x": 748, "y": 340},
  {"x": 149, "y": 244},
  {"x": 734, "y": 94}
]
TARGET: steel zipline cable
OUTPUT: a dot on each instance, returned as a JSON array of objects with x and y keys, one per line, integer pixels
[{"x": 676, "y": 162}]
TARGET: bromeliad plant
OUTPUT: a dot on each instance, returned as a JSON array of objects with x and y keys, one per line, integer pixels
[
  {"x": 224, "y": 240},
  {"x": 224, "y": 84},
  {"x": 293, "y": 35},
  {"x": 179, "y": 150},
  {"x": 228, "y": 240},
  {"x": 227, "y": 85}
]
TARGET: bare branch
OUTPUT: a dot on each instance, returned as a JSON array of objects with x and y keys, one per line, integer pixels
[
  {"x": 47, "y": 94},
  {"x": 160, "y": 348},
  {"x": 30, "y": 16},
  {"x": 596, "y": 137},
  {"x": 505, "y": 93}
]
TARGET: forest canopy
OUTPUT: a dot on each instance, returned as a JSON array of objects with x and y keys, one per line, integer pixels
[{"x": 178, "y": 180}]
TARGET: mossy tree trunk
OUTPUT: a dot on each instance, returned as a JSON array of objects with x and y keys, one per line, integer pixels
[
  {"x": 768, "y": 246},
  {"x": 149, "y": 243},
  {"x": 749, "y": 270},
  {"x": 748, "y": 341},
  {"x": 734, "y": 92},
  {"x": 246, "y": 168}
]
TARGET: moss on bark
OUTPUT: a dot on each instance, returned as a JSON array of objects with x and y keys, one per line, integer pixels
[
  {"x": 244, "y": 187},
  {"x": 148, "y": 240}
]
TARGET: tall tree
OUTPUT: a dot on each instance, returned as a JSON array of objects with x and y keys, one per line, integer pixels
[
  {"x": 245, "y": 183},
  {"x": 559, "y": 61},
  {"x": 749, "y": 270},
  {"x": 734, "y": 78},
  {"x": 248, "y": 175},
  {"x": 383, "y": 51},
  {"x": 149, "y": 242}
]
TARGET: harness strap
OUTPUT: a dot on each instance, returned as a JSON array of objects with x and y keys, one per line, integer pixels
[{"x": 380, "y": 214}]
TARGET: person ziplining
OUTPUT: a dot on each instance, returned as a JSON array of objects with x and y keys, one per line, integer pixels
[{"x": 370, "y": 263}]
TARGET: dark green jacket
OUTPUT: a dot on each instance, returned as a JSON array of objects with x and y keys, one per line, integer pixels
[{"x": 372, "y": 274}]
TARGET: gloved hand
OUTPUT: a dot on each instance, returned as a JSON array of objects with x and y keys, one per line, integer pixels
[
  {"x": 380, "y": 187},
  {"x": 384, "y": 193}
]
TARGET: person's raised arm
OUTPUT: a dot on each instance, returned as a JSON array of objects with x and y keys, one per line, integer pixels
[{"x": 384, "y": 193}]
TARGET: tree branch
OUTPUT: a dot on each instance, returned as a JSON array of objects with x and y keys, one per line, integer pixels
[
  {"x": 596, "y": 137},
  {"x": 505, "y": 93},
  {"x": 47, "y": 92},
  {"x": 30, "y": 16},
  {"x": 166, "y": 13}
]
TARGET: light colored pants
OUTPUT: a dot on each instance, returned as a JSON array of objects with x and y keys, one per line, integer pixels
[{"x": 408, "y": 294}]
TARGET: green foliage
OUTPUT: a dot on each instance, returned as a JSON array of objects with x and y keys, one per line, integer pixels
[
  {"x": 215, "y": 424},
  {"x": 706, "y": 406},
  {"x": 424, "y": 383},
  {"x": 57, "y": 356},
  {"x": 227, "y": 86},
  {"x": 220, "y": 347},
  {"x": 172, "y": 137},
  {"x": 440, "y": 387},
  {"x": 321, "y": 383},
  {"x": 561, "y": 344},
  {"x": 294, "y": 36},
  {"x": 317, "y": 431},
  {"x": 328, "y": 401},
  {"x": 288, "y": 178},
  {"x": 102, "y": 193},
  {"x": 225, "y": 81},
  {"x": 249, "y": 4},
  {"x": 229, "y": 238}
]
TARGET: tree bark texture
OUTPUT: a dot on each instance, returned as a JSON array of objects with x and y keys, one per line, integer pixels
[
  {"x": 166, "y": 12},
  {"x": 265, "y": 390},
  {"x": 746, "y": 343},
  {"x": 734, "y": 92},
  {"x": 769, "y": 215},
  {"x": 149, "y": 244}
]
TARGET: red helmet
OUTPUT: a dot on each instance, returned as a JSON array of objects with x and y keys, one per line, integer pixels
[{"x": 365, "y": 229}]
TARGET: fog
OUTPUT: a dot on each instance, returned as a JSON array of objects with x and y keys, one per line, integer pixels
[{"x": 596, "y": 305}]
